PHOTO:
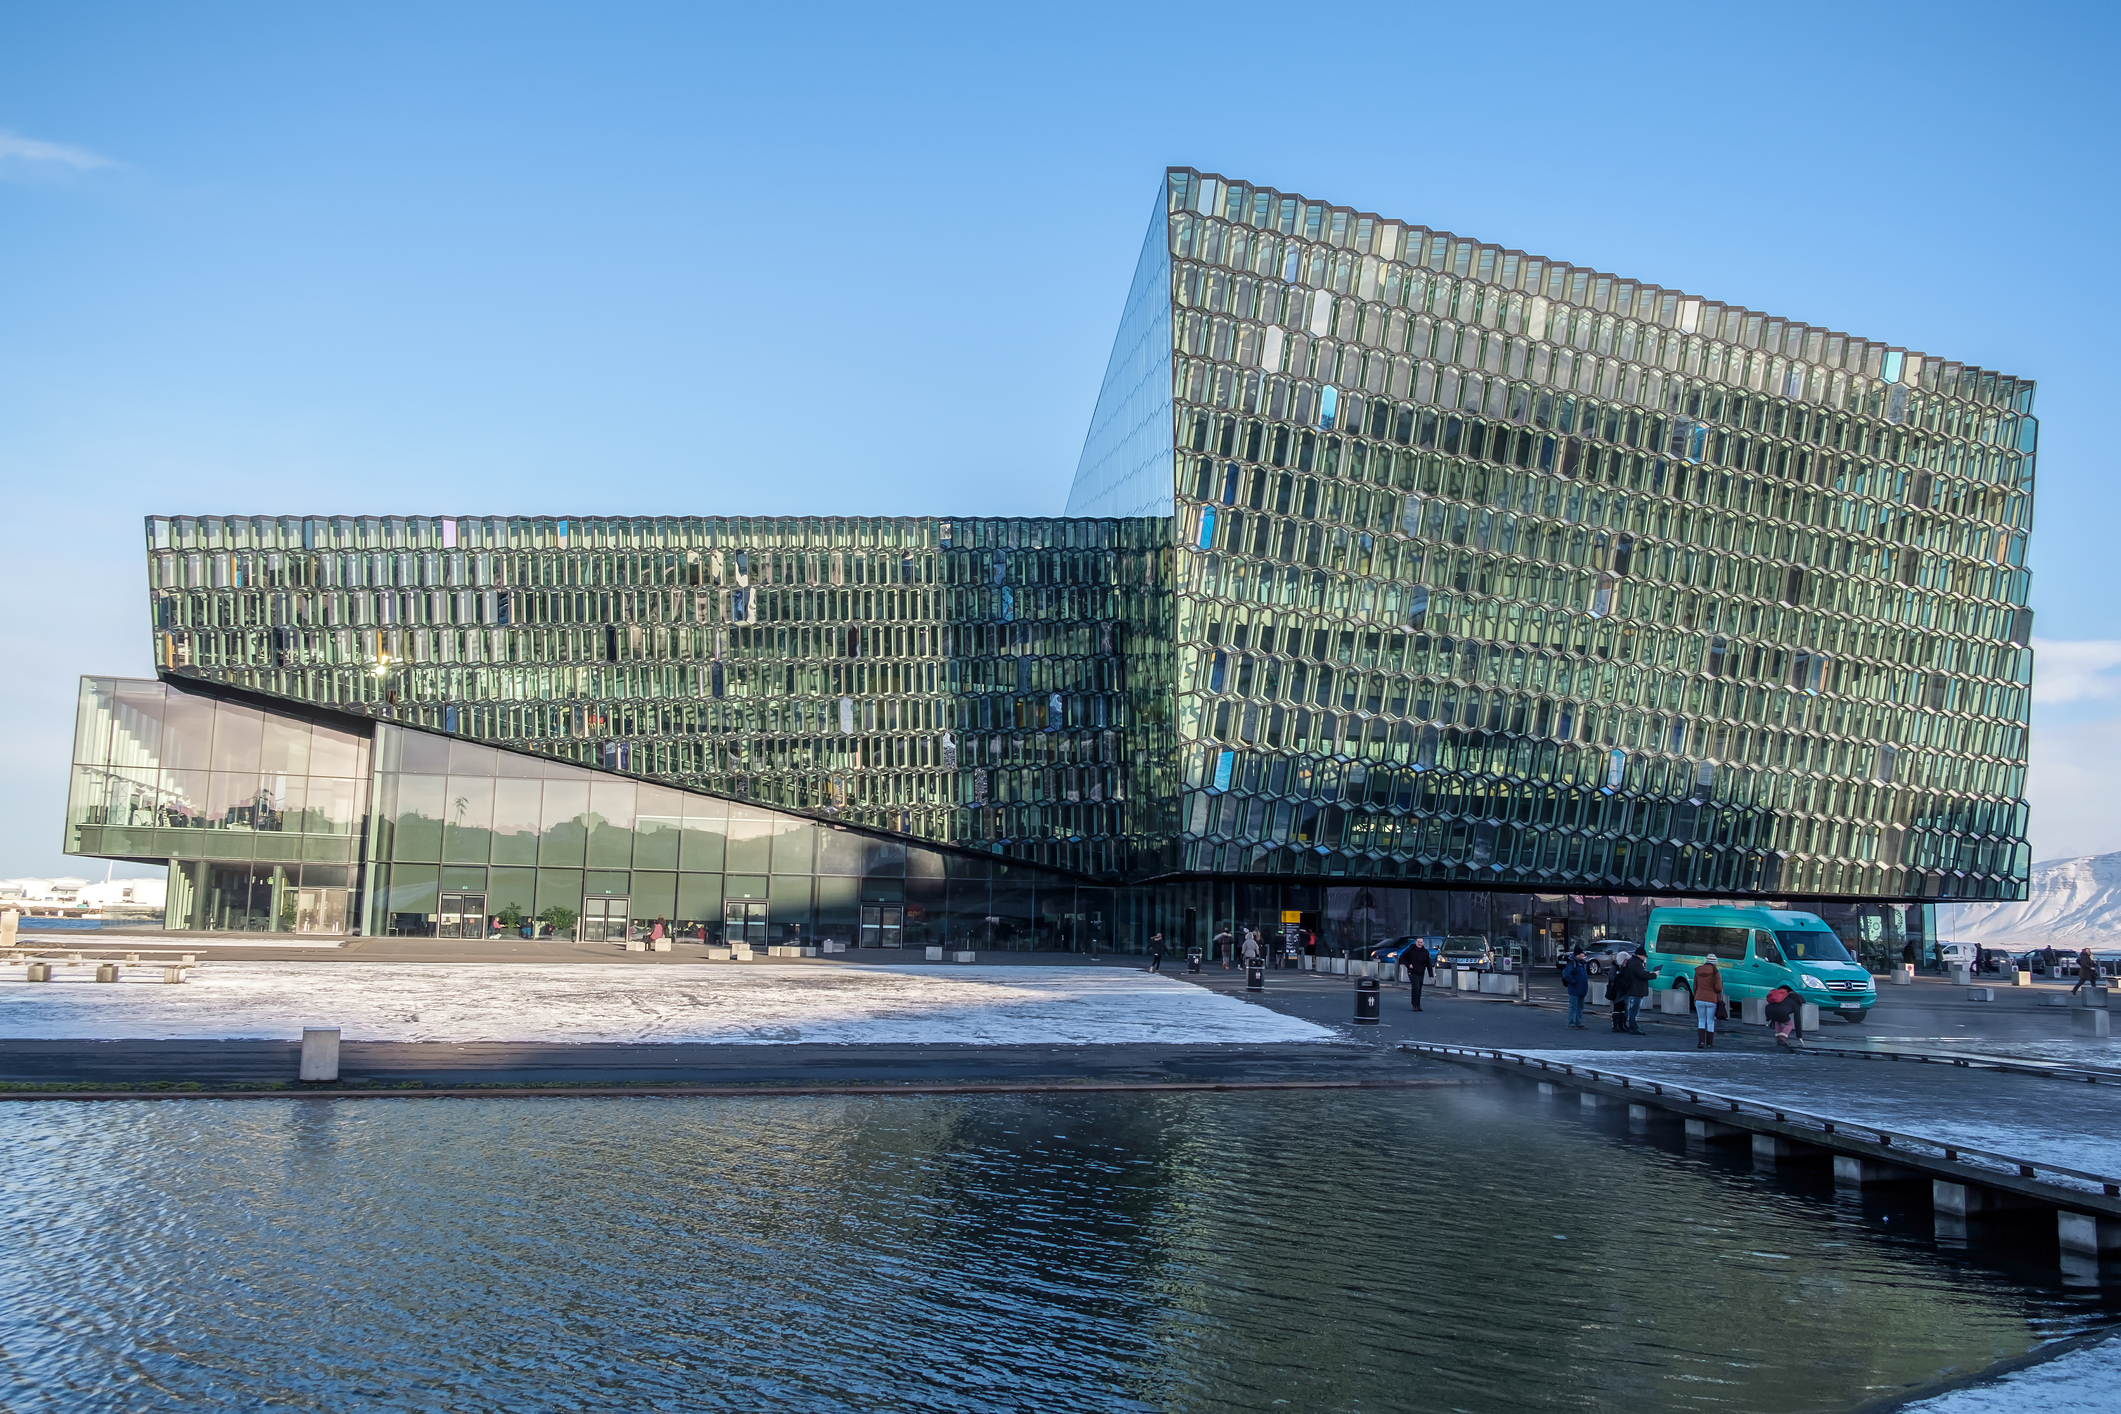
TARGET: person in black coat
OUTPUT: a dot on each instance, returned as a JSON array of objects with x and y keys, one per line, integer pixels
[
  {"x": 1635, "y": 975},
  {"x": 1418, "y": 963}
]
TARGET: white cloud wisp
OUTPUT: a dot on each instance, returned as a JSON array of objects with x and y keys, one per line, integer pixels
[
  {"x": 18, "y": 152},
  {"x": 2066, "y": 670}
]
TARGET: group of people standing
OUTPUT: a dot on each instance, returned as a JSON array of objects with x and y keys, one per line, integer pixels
[
  {"x": 1629, "y": 984},
  {"x": 1624, "y": 991},
  {"x": 1245, "y": 947}
]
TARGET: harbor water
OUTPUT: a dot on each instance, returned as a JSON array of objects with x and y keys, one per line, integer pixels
[{"x": 1447, "y": 1249}]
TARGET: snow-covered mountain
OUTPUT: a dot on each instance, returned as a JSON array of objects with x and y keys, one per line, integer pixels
[{"x": 2074, "y": 901}]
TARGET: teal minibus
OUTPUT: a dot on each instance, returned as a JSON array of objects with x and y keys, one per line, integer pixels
[{"x": 1758, "y": 950}]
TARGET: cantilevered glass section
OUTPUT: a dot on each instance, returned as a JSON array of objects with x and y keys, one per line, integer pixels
[{"x": 1126, "y": 463}]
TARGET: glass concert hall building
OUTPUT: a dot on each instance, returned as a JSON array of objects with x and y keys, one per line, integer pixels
[{"x": 1406, "y": 583}]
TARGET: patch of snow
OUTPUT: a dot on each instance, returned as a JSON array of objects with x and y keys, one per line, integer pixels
[
  {"x": 2085, "y": 1381},
  {"x": 581, "y": 1003},
  {"x": 2080, "y": 1128}
]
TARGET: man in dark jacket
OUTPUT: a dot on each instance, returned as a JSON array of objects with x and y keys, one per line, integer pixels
[
  {"x": 2087, "y": 972},
  {"x": 1636, "y": 975},
  {"x": 1417, "y": 962},
  {"x": 1576, "y": 977}
]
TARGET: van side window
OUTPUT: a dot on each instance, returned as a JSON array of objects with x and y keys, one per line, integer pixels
[
  {"x": 1764, "y": 949},
  {"x": 1694, "y": 939}
]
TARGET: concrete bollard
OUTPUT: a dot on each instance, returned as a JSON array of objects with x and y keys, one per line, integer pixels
[
  {"x": 636, "y": 945},
  {"x": 1981, "y": 994},
  {"x": 106, "y": 972},
  {"x": 2020, "y": 977},
  {"x": 40, "y": 972},
  {"x": 1904, "y": 975},
  {"x": 1672, "y": 1002},
  {"x": 173, "y": 973},
  {"x": 715, "y": 954},
  {"x": 320, "y": 1053},
  {"x": 964, "y": 957},
  {"x": 935, "y": 954},
  {"x": 659, "y": 945},
  {"x": 1854, "y": 1171},
  {"x": 1962, "y": 975},
  {"x": 2087, "y": 1234},
  {"x": 1808, "y": 1018},
  {"x": 2083, "y": 1021},
  {"x": 1753, "y": 1010}
]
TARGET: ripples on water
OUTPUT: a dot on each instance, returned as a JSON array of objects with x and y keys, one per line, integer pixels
[{"x": 1338, "y": 1251}]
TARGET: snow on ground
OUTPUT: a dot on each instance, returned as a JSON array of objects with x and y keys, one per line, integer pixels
[
  {"x": 2027, "y": 1116},
  {"x": 1062, "y": 1006},
  {"x": 2103, "y": 1053},
  {"x": 2086, "y": 1380}
]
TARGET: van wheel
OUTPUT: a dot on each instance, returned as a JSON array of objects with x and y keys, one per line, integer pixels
[{"x": 1853, "y": 1018}]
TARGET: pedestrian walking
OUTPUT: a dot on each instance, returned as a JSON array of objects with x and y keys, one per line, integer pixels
[
  {"x": 1708, "y": 1002},
  {"x": 1251, "y": 948},
  {"x": 1576, "y": 978},
  {"x": 1636, "y": 974},
  {"x": 1419, "y": 964},
  {"x": 2048, "y": 960},
  {"x": 1156, "y": 952},
  {"x": 2087, "y": 971},
  {"x": 1223, "y": 948},
  {"x": 1616, "y": 994}
]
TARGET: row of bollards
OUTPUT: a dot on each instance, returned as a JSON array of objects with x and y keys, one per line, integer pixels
[{"x": 38, "y": 969}]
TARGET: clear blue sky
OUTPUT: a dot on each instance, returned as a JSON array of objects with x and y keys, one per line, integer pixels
[{"x": 671, "y": 258}]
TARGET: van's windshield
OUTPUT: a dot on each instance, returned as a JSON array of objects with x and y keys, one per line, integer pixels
[{"x": 1812, "y": 947}]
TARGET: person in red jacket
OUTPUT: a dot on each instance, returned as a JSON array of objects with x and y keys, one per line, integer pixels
[{"x": 1708, "y": 996}]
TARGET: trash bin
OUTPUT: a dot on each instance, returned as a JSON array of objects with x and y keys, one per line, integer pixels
[
  {"x": 1192, "y": 959},
  {"x": 1366, "y": 997},
  {"x": 1255, "y": 977}
]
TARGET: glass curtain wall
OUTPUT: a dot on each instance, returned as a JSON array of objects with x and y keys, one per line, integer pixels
[
  {"x": 485, "y": 841},
  {"x": 997, "y": 683},
  {"x": 1497, "y": 570},
  {"x": 258, "y": 813}
]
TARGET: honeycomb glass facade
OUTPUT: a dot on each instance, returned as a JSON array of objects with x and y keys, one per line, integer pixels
[{"x": 1394, "y": 561}]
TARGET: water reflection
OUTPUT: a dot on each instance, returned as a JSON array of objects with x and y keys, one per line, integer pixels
[{"x": 1200, "y": 1252}]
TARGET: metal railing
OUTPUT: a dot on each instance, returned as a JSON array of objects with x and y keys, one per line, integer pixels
[{"x": 1952, "y": 1151}]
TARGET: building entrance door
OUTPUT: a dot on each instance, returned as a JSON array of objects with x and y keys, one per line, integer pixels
[
  {"x": 881, "y": 925},
  {"x": 744, "y": 923},
  {"x": 320, "y": 910},
  {"x": 604, "y": 920},
  {"x": 460, "y": 916}
]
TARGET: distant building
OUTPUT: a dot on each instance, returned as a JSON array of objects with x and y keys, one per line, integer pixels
[{"x": 1408, "y": 583}]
